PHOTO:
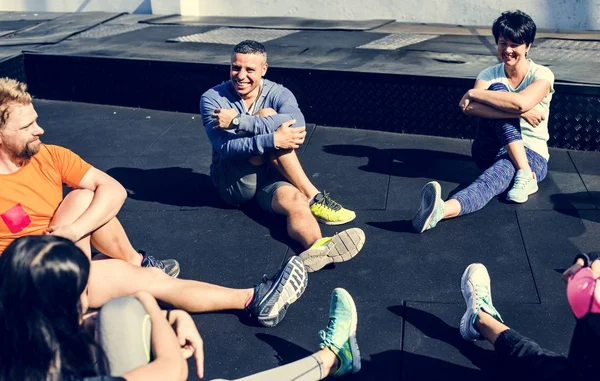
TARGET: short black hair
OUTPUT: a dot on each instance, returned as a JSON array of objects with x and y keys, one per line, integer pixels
[
  {"x": 250, "y": 47},
  {"x": 515, "y": 26}
]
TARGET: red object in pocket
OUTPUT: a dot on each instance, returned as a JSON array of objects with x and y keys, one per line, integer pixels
[{"x": 16, "y": 218}]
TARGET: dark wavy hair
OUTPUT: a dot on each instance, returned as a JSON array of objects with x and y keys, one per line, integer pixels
[
  {"x": 41, "y": 281},
  {"x": 515, "y": 26}
]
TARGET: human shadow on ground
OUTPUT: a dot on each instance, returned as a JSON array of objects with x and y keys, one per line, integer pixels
[
  {"x": 185, "y": 188},
  {"x": 386, "y": 365},
  {"x": 433, "y": 327}
]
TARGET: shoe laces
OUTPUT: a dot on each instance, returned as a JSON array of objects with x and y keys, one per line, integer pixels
[
  {"x": 480, "y": 295},
  {"x": 153, "y": 262},
  {"x": 521, "y": 182},
  {"x": 329, "y": 203},
  {"x": 326, "y": 335}
]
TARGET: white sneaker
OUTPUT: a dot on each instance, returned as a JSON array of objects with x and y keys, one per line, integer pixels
[
  {"x": 524, "y": 185},
  {"x": 477, "y": 291}
]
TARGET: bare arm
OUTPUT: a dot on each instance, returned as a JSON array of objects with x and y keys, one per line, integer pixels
[
  {"x": 512, "y": 102},
  {"x": 109, "y": 196},
  {"x": 169, "y": 364}
]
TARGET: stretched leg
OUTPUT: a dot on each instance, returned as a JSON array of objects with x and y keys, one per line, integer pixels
[
  {"x": 110, "y": 239},
  {"x": 482, "y": 321},
  {"x": 267, "y": 302},
  {"x": 339, "y": 352},
  {"x": 489, "y": 184}
]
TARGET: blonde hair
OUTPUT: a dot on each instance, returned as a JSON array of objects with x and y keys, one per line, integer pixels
[{"x": 11, "y": 92}]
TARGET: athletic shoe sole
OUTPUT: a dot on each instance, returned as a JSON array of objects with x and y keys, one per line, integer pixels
[
  {"x": 334, "y": 223},
  {"x": 356, "y": 364},
  {"x": 430, "y": 199},
  {"x": 524, "y": 199},
  {"x": 465, "y": 320},
  {"x": 342, "y": 247},
  {"x": 286, "y": 289}
]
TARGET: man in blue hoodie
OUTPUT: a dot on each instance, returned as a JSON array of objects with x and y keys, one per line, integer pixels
[{"x": 254, "y": 126}]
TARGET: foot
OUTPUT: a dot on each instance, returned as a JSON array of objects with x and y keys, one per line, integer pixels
[
  {"x": 340, "y": 334},
  {"x": 524, "y": 185},
  {"x": 477, "y": 291},
  {"x": 272, "y": 297},
  {"x": 329, "y": 212},
  {"x": 340, "y": 248},
  {"x": 431, "y": 209},
  {"x": 169, "y": 266}
]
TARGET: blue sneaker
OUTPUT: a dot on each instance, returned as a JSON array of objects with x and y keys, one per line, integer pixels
[
  {"x": 340, "y": 334},
  {"x": 525, "y": 184},
  {"x": 431, "y": 209},
  {"x": 477, "y": 291}
]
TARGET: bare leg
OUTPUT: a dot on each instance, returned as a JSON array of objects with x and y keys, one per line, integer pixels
[
  {"x": 330, "y": 361},
  {"x": 109, "y": 239},
  {"x": 489, "y": 327},
  {"x": 288, "y": 164},
  {"x": 516, "y": 152},
  {"x": 112, "y": 278},
  {"x": 451, "y": 208},
  {"x": 301, "y": 224}
]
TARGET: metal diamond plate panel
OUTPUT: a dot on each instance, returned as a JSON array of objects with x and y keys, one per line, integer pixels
[
  {"x": 552, "y": 54},
  {"x": 397, "y": 41},
  {"x": 106, "y": 30},
  {"x": 231, "y": 36},
  {"x": 569, "y": 44}
]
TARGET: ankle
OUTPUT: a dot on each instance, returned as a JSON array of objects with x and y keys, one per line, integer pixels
[{"x": 330, "y": 361}]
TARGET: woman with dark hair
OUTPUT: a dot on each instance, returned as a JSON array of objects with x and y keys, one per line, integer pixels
[
  {"x": 512, "y": 101},
  {"x": 43, "y": 299}
]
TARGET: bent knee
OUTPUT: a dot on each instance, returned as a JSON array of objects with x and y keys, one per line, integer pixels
[
  {"x": 290, "y": 198},
  {"x": 267, "y": 111},
  {"x": 80, "y": 196}
]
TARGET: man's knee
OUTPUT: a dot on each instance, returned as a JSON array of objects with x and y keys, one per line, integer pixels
[
  {"x": 72, "y": 206},
  {"x": 291, "y": 199},
  {"x": 267, "y": 111}
]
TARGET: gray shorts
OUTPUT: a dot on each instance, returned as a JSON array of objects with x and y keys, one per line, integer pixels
[{"x": 238, "y": 181}]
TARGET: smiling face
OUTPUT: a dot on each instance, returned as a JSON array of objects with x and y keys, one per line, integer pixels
[
  {"x": 511, "y": 53},
  {"x": 246, "y": 73},
  {"x": 20, "y": 134}
]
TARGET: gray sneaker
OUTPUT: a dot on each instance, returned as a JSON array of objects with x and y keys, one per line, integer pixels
[
  {"x": 169, "y": 266},
  {"x": 340, "y": 248},
  {"x": 273, "y": 296},
  {"x": 431, "y": 208}
]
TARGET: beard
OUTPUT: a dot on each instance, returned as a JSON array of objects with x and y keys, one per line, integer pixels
[{"x": 28, "y": 151}]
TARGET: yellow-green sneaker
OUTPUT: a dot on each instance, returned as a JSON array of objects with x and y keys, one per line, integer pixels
[
  {"x": 329, "y": 212},
  {"x": 340, "y": 334},
  {"x": 340, "y": 248}
]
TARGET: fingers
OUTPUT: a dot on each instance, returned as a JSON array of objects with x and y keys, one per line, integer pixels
[
  {"x": 199, "y": 356},
  {"x": 596, "y": 268},
  {"x": 571, "y": 270}
]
